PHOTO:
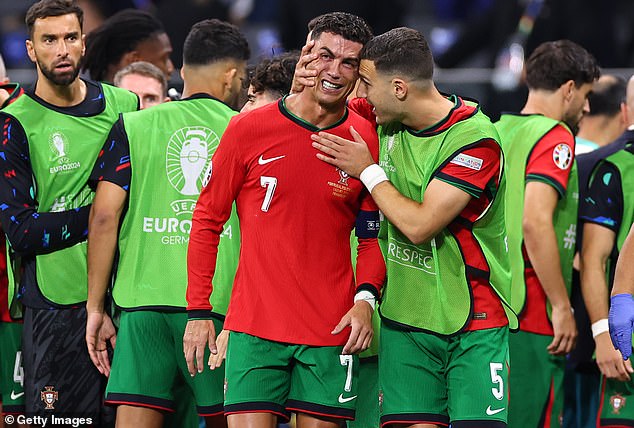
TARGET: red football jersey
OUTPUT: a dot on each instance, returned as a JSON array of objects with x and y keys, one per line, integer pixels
[{"x": 295, "y": 279}]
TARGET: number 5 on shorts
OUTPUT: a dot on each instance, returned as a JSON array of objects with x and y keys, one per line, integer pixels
[{"x": 498, "y": 392}]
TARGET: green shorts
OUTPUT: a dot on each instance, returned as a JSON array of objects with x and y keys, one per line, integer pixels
[
  {"x": 148, "y": 360},
  {"x": 536, "y": 382},
  {"x": 437, "y": 380},
  {"x": 367, "y": 413},
  {"x": 617, "y": 403},
  {"x": 275, "y": 377},
  {"x": 11, "y": 371}
]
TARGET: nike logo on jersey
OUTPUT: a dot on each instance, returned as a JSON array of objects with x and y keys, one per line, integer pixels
[
  {"x": 15, "y": 396},
  {"x": 345, "y": 400},
  {"x": 263, "y": 161},
  {"x": 492, "y": 412}
]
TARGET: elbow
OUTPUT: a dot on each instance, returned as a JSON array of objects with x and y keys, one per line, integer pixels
[
  {"x": 532, "y": 228},
  {"x": 418, "y": 235},
  {"x": 102, "y": 219}
]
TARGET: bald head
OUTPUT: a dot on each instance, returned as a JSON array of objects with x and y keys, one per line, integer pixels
[{"x": 630, "y": 93}]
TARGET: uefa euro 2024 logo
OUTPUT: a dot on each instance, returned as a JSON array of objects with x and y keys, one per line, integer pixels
[{"x": 188, "y": 155}]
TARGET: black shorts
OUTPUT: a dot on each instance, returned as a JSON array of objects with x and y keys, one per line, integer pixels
[{"x": 59, "y": 377}]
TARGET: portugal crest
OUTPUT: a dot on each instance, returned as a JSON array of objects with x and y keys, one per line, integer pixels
[
  {"x": 617, "y": 402},
  {"x": 49, "y": 397}
]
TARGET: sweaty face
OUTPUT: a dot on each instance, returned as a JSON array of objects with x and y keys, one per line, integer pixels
[
  {"x": 337, "y": 66},
  {"x": 147, "y": 88},
  {"x": 257, "y": 99},
  {"x": 578, "y": 105},
  {"x": 157, "y": 50},
  {"x": 377, "y": 90},
  {"x": 57, "y": 47}
]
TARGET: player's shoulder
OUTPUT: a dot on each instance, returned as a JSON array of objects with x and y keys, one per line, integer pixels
[{"x": 360, "y": 122}]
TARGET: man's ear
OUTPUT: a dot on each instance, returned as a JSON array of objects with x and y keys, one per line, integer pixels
[
  {"x": 30, "y": 50},
  {"x": 230, "y": 74},
  {"x": 568, "y": 89},
  {"x": 399, "y": 88}
]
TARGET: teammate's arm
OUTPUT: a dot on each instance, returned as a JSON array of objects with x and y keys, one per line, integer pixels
[
  {"x": 28, "y": 230},
  {"x": 102, "y": 242},
  {"x": 419, "y": 221},
  {"x": 598, "y": 242},
  {"x": 601, "y": 218},
  {"x": 541, "y": 244},
  {"x": 112, "y": 178},
  {"x": 621, "y": 315}
]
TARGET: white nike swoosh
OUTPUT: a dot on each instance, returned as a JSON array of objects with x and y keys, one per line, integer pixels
[
  {"x": 494, "y": 412},
  {"x": 345, "y": 400},
  {"x": 15, "y": 396},
  {"x": 263, "y": 161}
]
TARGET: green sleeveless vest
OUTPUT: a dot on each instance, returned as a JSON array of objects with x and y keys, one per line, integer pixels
[
  {"x": 170, "y": 151},
  {"x": 63, "y": 150},
  {"x": 427, "y": 286},
  {"x": 519, "y": 134}
]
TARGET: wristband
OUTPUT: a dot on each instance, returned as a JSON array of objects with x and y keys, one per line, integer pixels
[
  {"x": 367, "y": 296},
  {"x": 600, "y": 327},
  {"x": 371, "y": 176}
]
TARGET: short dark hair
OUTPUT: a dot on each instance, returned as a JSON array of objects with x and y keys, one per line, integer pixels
[
  {"x": 45, "y": 8},
  {"x": 400, "y": 50},
  {"x": 142, "y": 68},
  {"x": 607, "y": 95},
  {"x": 275, "y": 74},
  {"x": 213, "y": 40},
  {"x": 554, "y": 63},
  {"x": 118, "y": 35},
  {"x": 350, "y": 27}
]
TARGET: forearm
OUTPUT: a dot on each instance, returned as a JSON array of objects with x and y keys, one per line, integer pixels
[
  {"x": 102, "y": 243},
  {"x": 404, "y": 213},
  {"x": 202, "y": 254},
  {"x": 30, "y": 232},
  {"x": 370, "y": 264},
  {"x": 594, "y": 288},
  {"x": 541, "y": 245}
]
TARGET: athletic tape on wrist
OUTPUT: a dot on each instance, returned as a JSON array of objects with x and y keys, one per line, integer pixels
[
  {"x": 372, "y": 175},
  {"x": 367, "y": 296},
  {"x": 600, "y": 327}
]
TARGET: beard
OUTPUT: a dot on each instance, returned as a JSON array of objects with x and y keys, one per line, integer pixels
[
  {"x": 59, "y": 79},
  {"x": 573, "y": 124}
]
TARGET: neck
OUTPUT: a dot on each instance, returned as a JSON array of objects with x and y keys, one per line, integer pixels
[
  {"x": 58, "y": 95},
  {"x": 306, "y": 107},
  {"x": 600, "y": 129},
  {"x": 426, "y": 109},
  {"x": 203, "y": 81},
  {"x": 546, "y": 103}
]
